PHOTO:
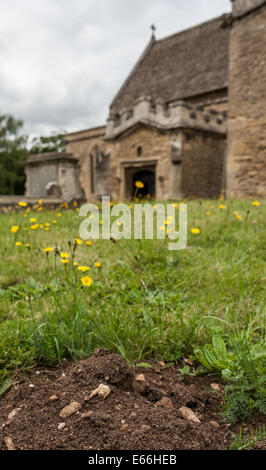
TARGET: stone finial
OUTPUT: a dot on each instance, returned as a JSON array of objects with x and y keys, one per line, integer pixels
[{"x": 153, "y": 29}]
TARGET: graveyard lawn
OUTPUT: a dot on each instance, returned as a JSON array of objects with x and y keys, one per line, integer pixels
[{"x": 199, "y": 311}]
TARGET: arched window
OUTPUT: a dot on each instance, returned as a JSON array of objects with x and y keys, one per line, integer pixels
[
  {"x": 92, "y": 173},
  {"x": 139, "y": 151}
]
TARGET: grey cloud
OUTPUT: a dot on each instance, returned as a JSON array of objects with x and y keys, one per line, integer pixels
[{"x": 62, "y": 61}]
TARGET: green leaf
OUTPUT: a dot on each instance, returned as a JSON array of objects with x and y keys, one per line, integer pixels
[
  {"x": 5, "y": 386},
  {"x": 144, "y": 364}
]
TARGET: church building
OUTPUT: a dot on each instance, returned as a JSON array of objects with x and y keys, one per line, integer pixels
[{"x": 189, "y": 121}]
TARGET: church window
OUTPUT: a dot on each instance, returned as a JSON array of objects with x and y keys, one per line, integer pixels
[
  {"x": 139, "y": 151},
  {"x": 91, "y": 173}
]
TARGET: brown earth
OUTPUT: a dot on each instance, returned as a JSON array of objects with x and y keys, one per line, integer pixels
[{"x": 137, "y": 414}]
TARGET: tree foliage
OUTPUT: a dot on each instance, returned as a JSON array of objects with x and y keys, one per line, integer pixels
[
  {"x": 13, "y": 151},
  {"x": 52, "y": 143}
]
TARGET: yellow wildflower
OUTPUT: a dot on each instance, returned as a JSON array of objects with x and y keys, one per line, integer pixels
[
  {"x": 139, "y": 184},
  {"x": 14, "y": 229},
  {"x": 64, "y": 255},
  {"x": 18, "y": 243},
  {"x": 256, "y": 203},
  {"x": 86, "y": 281},
  {"x": 78, "y": 241},
  {"x": 48, "y": 249},
  {"x": 64, "y": 261},
  {"x": 83, "y": 269},
  {"x": 27, "y": 245},
  {"x": 88, "y": 243},
  {"x": 222, "y": 206},
  {"x": 33, "y": 220},
  {"x": 97, "y": 264},
  {"x": 22, "y": 204},
  {"x": 195, "y": 231}
]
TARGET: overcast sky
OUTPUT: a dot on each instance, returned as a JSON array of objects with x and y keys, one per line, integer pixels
[{"x": 62, "y": 61}]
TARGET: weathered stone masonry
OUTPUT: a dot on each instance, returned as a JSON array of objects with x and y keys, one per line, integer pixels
[{"x": 246, "y": 160}]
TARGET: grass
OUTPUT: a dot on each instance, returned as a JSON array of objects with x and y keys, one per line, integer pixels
[{"x": 144, "y": 301}]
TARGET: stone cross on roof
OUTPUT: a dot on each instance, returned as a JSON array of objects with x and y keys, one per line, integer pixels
[{"x": 153, "y": 29}]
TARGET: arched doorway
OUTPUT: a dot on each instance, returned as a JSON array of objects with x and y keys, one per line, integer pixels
[{"x": 147, "y": 177}]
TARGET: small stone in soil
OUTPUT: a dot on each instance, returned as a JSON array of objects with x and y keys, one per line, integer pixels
[
  {"x": 188, "y": 414},
  {"x": 88, "y": 414},
  {"x": 165, "y": 402},
  {"x": 140, "y": 378},
  {"x": 214, "y": 424},
  {"x": 70, "y": 409},
  {"x": 9, "y": 443},
  {"x": 102, "y": 391},
  {"x": 12, "y": 414},
  {"x": 61, "y": 426}
]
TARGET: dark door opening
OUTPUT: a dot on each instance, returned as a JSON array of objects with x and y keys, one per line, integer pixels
[{"x": 147, "y": 177}]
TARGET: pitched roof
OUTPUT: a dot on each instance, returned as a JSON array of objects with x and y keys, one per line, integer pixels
[{"x": 192, "y": 62}]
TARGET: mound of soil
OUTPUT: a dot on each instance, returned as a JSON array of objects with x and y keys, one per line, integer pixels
[{"x": 143, "y": 409}]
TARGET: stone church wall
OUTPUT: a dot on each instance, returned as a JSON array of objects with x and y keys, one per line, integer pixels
[{"x": 246, "y": 160}]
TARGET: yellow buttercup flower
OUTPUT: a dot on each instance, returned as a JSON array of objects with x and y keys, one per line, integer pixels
[
  {"x": 14, "y": 229},
  {"x": 75, "y": 264},
  {"x": 32, "y": 220},
  {"x": 64, "y": 261},
  {"x": 97, "y": 264},
  {"x": 195, "y": 231},
  {"x": 239, "y": 217},
  {"x": 256, "y": 203},
  {"x": 84, "y": 269},
  {"x": 222, "y": 206},
  {"x": 22, "y": 204},
  {"x": 18, "y": 243},
  {"x": 88, "y": 243},
  {"x": 54, "y": 221},
  {"x": 139, "y": 184},
  {"x": 27, "y": 245},
  {"x": 34, "y": 227},
  {"x": 59, "y": 215},
  {"x": 175, "y": 205},
  {"x": 86, "y": 281},
  {"x": 64, "y": 255},
  {"x": 78, "y": 241}
]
